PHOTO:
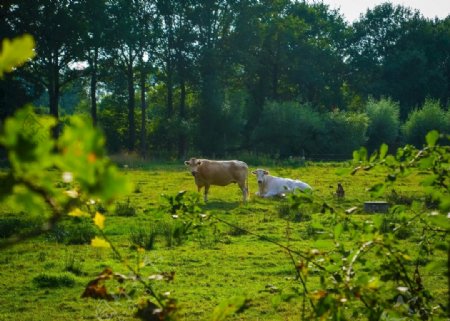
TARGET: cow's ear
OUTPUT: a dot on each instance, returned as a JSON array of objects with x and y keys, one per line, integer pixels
[
  {"x": 266, "y": 173},
  {"x": 186, "y": 163},
  {"x": 199, "y": 162},
  {"x": 254, "y": 172}
]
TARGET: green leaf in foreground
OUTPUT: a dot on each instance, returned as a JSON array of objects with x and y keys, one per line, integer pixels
[
  {"x": 15, "y": 53},
  {"x": 226, "y": 308},
  {"x": 432, "y": 138}
]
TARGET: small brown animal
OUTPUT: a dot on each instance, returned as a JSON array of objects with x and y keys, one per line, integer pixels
[{"x": 340, "y": 193}]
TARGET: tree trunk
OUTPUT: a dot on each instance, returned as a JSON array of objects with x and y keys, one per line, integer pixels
[
  {"x": 169, "y": 86},
  {"x": 93, "y": 92},
  {"x": 169, "y": 68},
  {"x": 182, "y": 135},
  {"x": 131, "y": 104},
  {"x": 143, "y": 114}
]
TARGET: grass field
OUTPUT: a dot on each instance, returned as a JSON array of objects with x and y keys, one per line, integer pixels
[{"x": 43, "y": 278}]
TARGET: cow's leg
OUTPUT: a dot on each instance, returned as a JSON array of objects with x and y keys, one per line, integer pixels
[
  {"x": 244, "y": 191},
  {"x": 206, "y": 193}
]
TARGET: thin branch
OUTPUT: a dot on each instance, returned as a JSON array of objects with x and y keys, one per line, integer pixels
[{"x": 147, "y": 286}]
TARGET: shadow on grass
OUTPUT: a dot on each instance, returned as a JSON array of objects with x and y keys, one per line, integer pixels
[{"x": 221, "y": 205}]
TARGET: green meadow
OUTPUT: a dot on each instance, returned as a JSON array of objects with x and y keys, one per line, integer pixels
[{"x": 232, "y": 254}]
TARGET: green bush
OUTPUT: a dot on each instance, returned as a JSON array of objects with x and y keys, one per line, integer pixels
[
  {"x": 45, "y": 280},
  {"x": 288, "y": 129},
  {"x": 77, "y": 230},
  {"x": 113, "y": 121},
  {"x": 299, "y": 213},
  {"x": 384, "y": 122},
  {"x": 125, "y": 209},
  {"x": 345, "y": 132},
  {"x": 174, "y": 232},
  {"x": 143, "y": 237},
  {"x": 430, "y": 117},
  {"x": 11, "y": 225},
  {"x": 73, "y": 264}
]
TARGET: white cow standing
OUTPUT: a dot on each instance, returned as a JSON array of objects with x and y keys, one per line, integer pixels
[{"x": 276, "y": 186}]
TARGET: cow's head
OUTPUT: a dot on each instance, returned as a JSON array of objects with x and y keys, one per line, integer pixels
[
  {"x": 260, "y": 173},
  {"x": 193, "y": 165}
]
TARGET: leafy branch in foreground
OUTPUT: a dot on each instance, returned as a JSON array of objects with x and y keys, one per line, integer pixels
[
  {"x": 36, "y": 160},
  {"x": 370, "y": 273}
]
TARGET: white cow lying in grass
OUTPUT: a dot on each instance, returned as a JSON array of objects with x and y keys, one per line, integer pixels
[{"x": 276, "y": 186}]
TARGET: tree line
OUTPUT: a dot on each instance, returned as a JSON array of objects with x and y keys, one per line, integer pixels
[{"x": 218, "y": 77}]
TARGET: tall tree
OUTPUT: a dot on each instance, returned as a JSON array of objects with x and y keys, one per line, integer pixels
[
  {"x": 419, "y": 65},
  {"x": 14, "y": 90},
  {"x": 55, "y": 27},
  {"x": 125, "y": 51},
  {"x": 214, "y": 21},
  {"x": 315, "y": 66},
  {"x": 146, "y": 43},
  {"x": 166, "y": 9},
  {"x": 184, "y": 53},
  {"x": 373, "y": 42},
  {"x": 94, "y": 36}
]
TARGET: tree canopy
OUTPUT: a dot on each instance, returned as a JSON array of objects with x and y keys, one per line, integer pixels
[{"x": 204, "y": 72}]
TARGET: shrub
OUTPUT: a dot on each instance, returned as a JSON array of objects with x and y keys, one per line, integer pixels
[
  {"x": 11, "y": 225},
  {"x": 175, "y": 232},
  {"x": 288, "y": 129},
  {"x": 299, "y": 213},
  {"x": 143, "y": 237},
  {"x": 345, "y": 132},
  {"x": 125, "y": 209},
  {"x": 73, "y": 264},
  {"x": 392, "y": 224},
  {"x": 430, "y": 117},
  {"x": 44, "y": 280},
  {"x": 384, "y": 122},
  {"x": 113, "y": 122},
  {"x": 77, "y": 230}
]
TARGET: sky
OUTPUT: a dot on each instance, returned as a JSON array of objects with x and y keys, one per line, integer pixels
[{"x": 351, "y": 9}]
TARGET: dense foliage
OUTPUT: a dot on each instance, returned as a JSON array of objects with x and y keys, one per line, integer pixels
[
  {"x": 176, "y": 78},
  {"x": 384, "y": 123},
  {"x": 423, "y": 120}
]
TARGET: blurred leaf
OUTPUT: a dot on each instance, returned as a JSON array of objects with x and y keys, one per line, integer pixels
[
  {"x": 226, "y": 308},
  {"x": 436, "y": 266},
  {"x": 445, "y": 203},
  {"x": 383, "y": 151},
  {"x": 442, "y": 221},
  {"x": 98, "y": 242},
  {"x": 373, "y": 157},
  {"x": 429, "y": 180},
  {"x": 377, "y": 190},
  {"x": 432, "y": 138},
  {"x": 78, "y": 213},
  {"x": 16, "y": 52},
  {"x": 99, "y": 220},
  {"x": 338, "y": 230},
  {"x": 363, "y": 154}
]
